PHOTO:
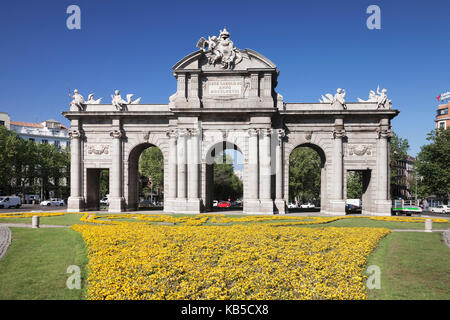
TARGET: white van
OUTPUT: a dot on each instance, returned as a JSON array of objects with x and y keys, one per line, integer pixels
[{"x": 10, "y": 202}]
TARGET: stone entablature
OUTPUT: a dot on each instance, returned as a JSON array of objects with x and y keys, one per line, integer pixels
[{"x": 231, "y": 105}]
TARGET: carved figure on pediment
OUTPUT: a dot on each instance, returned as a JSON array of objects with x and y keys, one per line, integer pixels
[
  {"x": 78, "y": 100},
  {"x": 220, "y": 50}
]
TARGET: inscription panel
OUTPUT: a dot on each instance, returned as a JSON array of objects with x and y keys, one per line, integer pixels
[{"x": 224, "y": 87}]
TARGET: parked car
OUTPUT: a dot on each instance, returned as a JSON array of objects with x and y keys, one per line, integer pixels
[
  {"x": 441, "y": 209},
  {"x": 215, "y": 203},
  {"x": 104, "y": 201},
  {"x": 10, "y": 202},
  {"x": 307, "y": 206},
  {"x": 224, "y": 204},
  {"x": 53, "y": 202},
  {"x": 292, "y": 205}
]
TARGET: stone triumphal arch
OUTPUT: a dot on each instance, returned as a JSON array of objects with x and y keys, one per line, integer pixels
[{"x": 226, "y": 97}]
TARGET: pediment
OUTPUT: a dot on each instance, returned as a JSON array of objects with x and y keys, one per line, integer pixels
[{"x": 199, "y": 60}]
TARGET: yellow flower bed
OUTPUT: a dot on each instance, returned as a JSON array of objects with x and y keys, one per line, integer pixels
[{"x": 256, "y": 261}]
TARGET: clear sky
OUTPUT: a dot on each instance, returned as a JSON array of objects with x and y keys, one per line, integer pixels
[{"x": 318, "y": 46}]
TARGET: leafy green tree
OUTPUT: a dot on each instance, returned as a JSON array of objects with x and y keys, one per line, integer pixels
[
  {"x": 151, "y": 168},
  {"x": 354, "y": 185},
  {"x": 304, "y": 174},
  {"x": 226, "y": 183},
  {"x": 398, "y": 151},
  {"x": 432, "y": 165}
]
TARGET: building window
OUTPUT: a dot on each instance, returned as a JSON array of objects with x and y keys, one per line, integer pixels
[
  {"x": 31, "y": 139},
  {"x": 442, "y": 112},
  {"x": 57, "y": 143},
  {"x": 44, "y": 141},
  {"x": 2, "y": 123},
  {"x": 442, "y": 125}
]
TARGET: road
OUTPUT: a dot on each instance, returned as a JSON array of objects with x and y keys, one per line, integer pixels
[{"x": 34, "y": 207}]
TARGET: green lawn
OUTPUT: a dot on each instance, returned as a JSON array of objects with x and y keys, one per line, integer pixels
[
  {"x": 35, "y": 265},
  {"x": 413, "y": 266}
]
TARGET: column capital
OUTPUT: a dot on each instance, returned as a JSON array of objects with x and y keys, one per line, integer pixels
[
  {"x": 183, "y": 132},
  {"x": 265, "y": 132},
  {"x": 172, "y": 134},
  {"x": 116, "y": 134},
  {"x": 339, "y": 133},
  {"x": 194, "y": 132},
  {"x": 384, "y": 133},
  {"x": 253, "y": 132},
  {"x": 76, "y": 134}
]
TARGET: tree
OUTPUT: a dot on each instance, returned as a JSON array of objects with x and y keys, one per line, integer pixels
[
  {"x": 432, "y": 165},
  {"x": 354, "y": 185},
  {"x": 304, "y": 174},
  {"x": 398, "y": 151},
  {"x": 226, "y": 183},
  {"x": 151, "y": 168}
]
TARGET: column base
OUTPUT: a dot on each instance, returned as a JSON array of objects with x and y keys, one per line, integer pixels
[
  {"x": 337, "y": 207},
  {"x": 116, "y": 204},
  {"x": 380, "y": 208},
  {"x": 259, "y": 207},
  {"x": 191, "y": 206},
  {"x": 75, "y": 204}
]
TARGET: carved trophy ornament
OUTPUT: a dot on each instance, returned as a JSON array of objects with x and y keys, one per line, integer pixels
[
  {"x": 101, "y": 149},
  {"x": 220, "y": 50},
  {"x": 360, "y": 149}
]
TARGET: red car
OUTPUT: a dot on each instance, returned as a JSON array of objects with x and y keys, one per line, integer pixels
[{"x": 224, "y": 204}]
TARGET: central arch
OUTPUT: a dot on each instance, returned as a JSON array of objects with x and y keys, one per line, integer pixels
[{"x": 213, "y": 151}]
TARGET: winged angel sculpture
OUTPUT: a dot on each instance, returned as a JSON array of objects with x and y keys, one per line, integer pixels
[
  {"x": 220, "y": 50},
  {"x": 380, "y": 97},
  {"x": 121, "y": 104},
  {"x": 339, "y": 97},
  {"x": 79, "y": 102}
]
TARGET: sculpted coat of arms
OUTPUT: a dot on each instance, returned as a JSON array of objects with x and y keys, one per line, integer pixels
[{"x": 220, "y": 50}]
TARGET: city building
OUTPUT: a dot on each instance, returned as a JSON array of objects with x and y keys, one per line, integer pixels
[
  {"x": 50, "y": 131},
  {"x": 442, "y": 116},
  {"x": 404, "y": 186},
  {"x": 4, "y": 120}
]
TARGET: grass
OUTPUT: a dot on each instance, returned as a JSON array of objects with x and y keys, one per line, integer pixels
[
  {"x": 36, "y": 262},
  {"x": 414, "y": 266}
]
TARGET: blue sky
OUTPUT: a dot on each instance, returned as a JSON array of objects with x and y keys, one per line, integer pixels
[{"x": 318, "y": 46}]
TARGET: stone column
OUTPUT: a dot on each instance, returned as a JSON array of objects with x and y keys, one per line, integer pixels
[
  {"x": 264, "y": 164},
  {"x": 182, "y": 160},
  {"x": 116, "y": 201},
  {"x": 253, "y": 174},
  {"x": 265, "y": 174},
  {"x": 172, "y": 165},
  {"x": 193, "y": 164},
  {"x": 279, "y": 201},
  {"x": 193, "y": 171},
  {"x": 75, "y": 203},
  {"x": 382, "y": 203},
  {"x": 337, "y": 203}
]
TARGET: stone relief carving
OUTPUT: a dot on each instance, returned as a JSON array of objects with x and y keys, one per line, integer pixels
[
  {"x": 220, "y": 50},
  {"x": 380, "y": 98},
  {"x": 338, "y": 98},
  {"x": 121, "y": 104},
  {"x": 76, "y": 134},
  {"x": 360, "y": 149},
  {"x": 98, "y": 149}
]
